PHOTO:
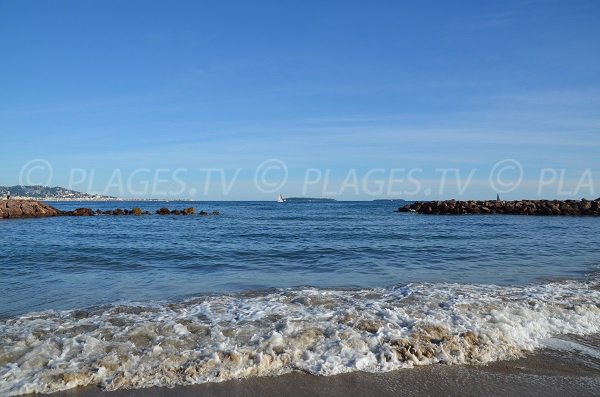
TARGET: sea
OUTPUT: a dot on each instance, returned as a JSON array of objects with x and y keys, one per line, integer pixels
[{"x": 266, "y": 288}]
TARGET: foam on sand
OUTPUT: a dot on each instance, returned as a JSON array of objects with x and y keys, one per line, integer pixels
[{"x": 324, "y": 332}]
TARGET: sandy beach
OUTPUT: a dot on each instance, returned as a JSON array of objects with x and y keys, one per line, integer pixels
[{"x": 545, "y": 373}]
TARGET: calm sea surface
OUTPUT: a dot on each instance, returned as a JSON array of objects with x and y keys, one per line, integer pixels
[{"x": 78, "y": 262}]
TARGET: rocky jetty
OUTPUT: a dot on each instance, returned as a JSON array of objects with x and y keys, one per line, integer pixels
[
  {"x": 518, "y": 207},
  {"x": 135, "y": 211},
  {"x": 185, "y": 211},
  {"x": 26, "y": 209}
]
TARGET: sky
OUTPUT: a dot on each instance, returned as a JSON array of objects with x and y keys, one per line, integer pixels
[{"x": 352, "y": 100}]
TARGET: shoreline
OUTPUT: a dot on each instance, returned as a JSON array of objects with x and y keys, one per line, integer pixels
[
  {"x": 546, "y": 372},
  {"x": 207, "y": 340}
]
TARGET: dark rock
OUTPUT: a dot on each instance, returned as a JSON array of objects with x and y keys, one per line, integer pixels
[
  {"x": 118, "y": 211},
  {"x": 216, "y": 213},
  {"x": 80, "y": 314},
  {"x": 163, "y": 211},
  {"x": 83, "y": 212},
  {"x": 175, "y": 212},
  {"x": 203, "y": 213}
]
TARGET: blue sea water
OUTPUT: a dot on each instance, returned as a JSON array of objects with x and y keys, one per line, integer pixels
[
  {"x": 78, "y": 262},
  {"x": 125, "y": 302}
]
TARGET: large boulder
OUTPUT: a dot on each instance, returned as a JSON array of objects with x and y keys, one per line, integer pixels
[
  {"x": 24, "y": 208},
  {"x": 163, "y": 211},
  {"x": 83, "y": 212}
]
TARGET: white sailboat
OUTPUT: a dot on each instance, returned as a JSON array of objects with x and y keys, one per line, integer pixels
[{"x": 280, "y": 199}]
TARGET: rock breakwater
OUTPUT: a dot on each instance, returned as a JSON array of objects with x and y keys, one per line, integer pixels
[
  {"x": 518, "y": 207},
  {"x": 22, "y": 208}
]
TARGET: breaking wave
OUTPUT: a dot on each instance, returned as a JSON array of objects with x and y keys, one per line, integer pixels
[{"x": 324, "y": 332}]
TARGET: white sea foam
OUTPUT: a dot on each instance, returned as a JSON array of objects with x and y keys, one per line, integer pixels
[{"x": 323, "y": 332}]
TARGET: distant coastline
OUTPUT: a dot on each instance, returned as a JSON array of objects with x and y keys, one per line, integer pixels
[
  {"x": 309, "y": 199},
  {"x": 46, "y": 193}
]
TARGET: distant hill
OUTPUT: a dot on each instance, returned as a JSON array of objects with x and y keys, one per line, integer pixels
[{"x": 46, "y": 193}]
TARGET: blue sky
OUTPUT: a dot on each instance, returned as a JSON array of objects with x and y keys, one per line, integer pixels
[{"x": 108, "y": 88}]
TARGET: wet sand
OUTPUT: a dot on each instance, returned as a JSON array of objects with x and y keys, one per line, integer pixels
[{"x": 545, "y": 373}]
